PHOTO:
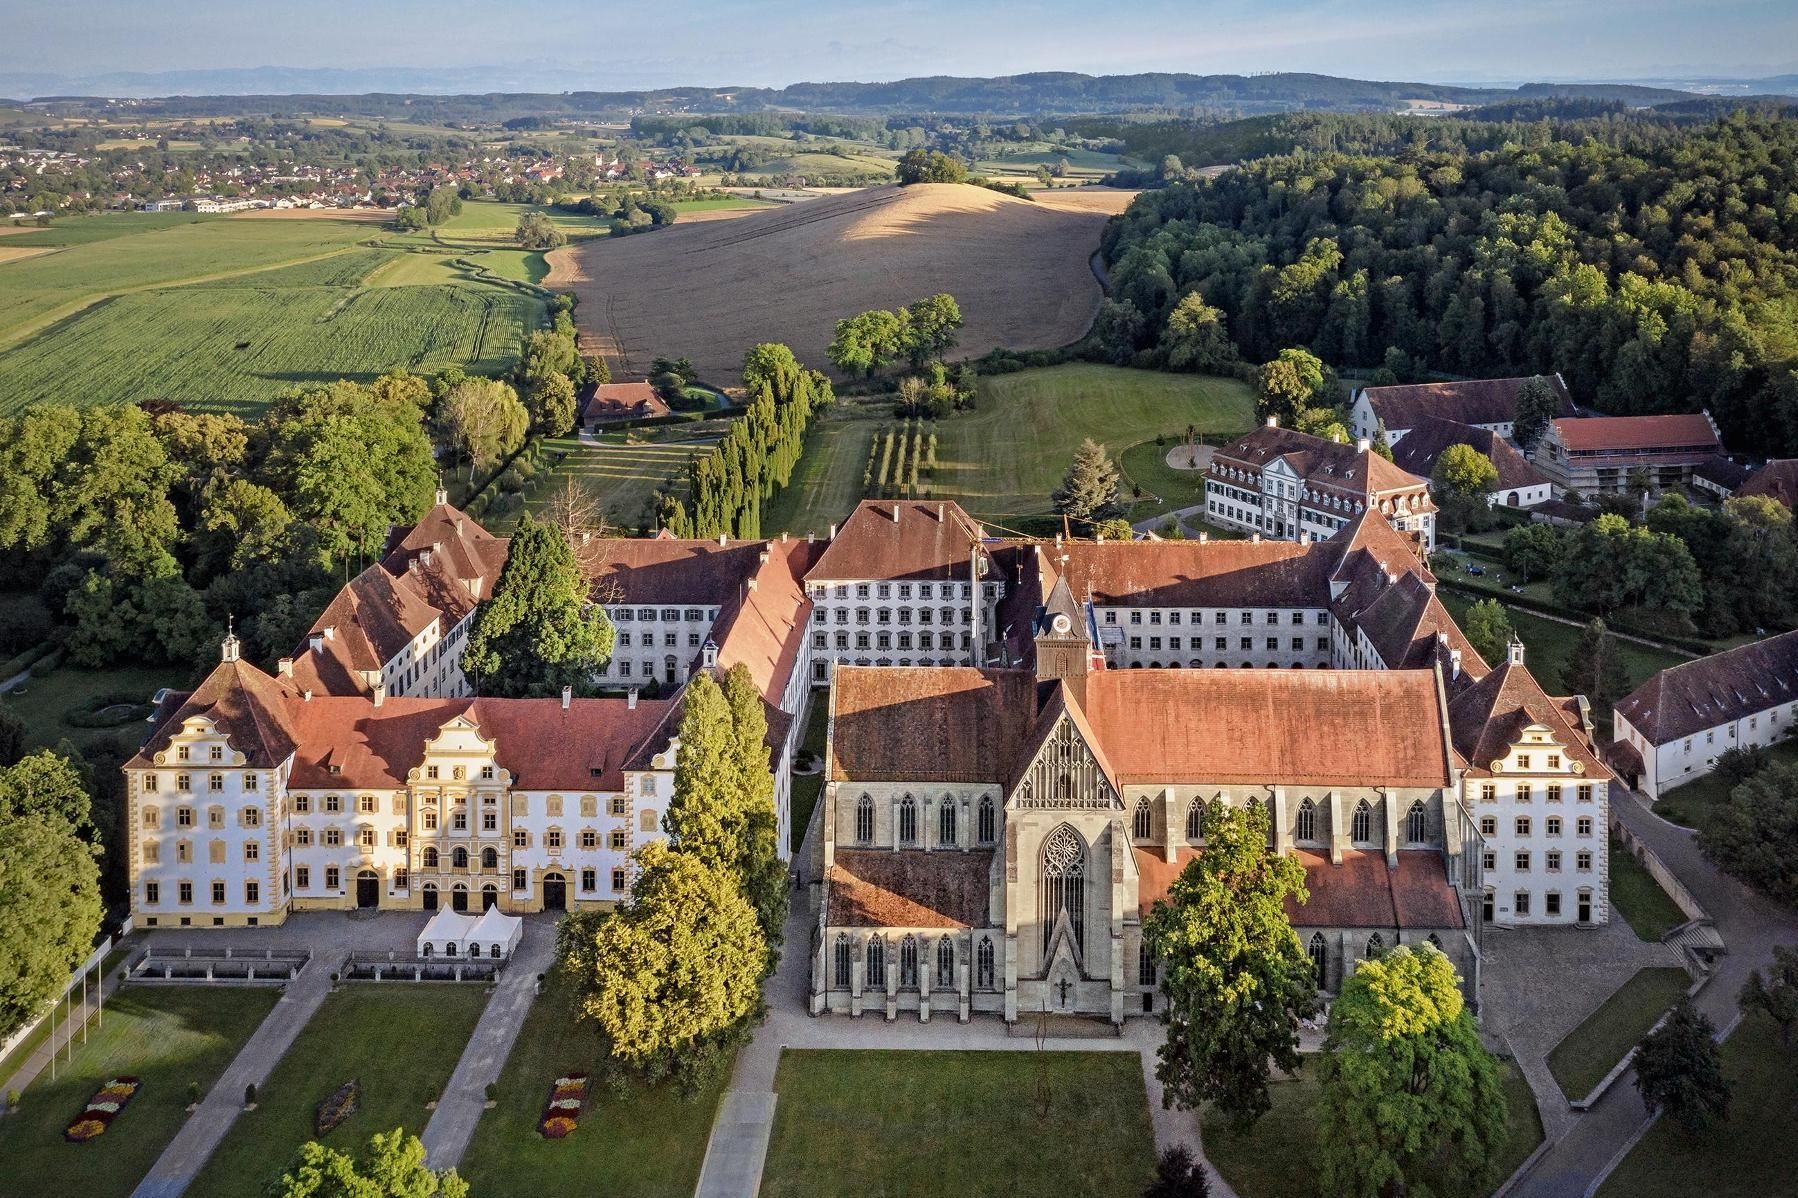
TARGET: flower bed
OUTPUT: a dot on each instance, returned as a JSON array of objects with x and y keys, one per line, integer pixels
[
  {"x": 335, "y": 1109},
  {"x": 562, "y": 1113},
  {"x": 101, "y": 1110}
]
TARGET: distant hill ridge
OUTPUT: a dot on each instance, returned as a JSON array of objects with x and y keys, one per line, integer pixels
[{"x": 1036, "y": 93}]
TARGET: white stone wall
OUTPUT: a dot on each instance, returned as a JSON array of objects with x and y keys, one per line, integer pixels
[
  {"x": 1691, "y": 757},
  {"x": 870, "y": 622},
  {"x": 1546, "y": 836},
  {"x": 649, "y": 636},
  {"x": 1145, "y": 637}
]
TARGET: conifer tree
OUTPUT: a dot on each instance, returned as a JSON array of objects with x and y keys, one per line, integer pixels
[
  {"x": 1594, "y": 668},
  {"x": 1089, "y": 490},
  {"x": 1679, "y": 1071},
  {"x": 538, "y": 632}
]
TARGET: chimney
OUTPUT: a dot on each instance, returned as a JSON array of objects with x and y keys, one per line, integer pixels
[
  {"x": 330, "y": 632},
  {"x": 317, "y": 642},
  {"x": 1454, "y": 664},
  {"x": 783, "y": 537},
  {"x": 942, "y": 512},
  {"x": 380, "y": 692},
  {"x": 568, "y": 696},
  {"x": 723, "y": 540},
  {"x": 630, "y": 699},
  {"x": 762, "y": 558},
  {"x": 749, "y": 584},
  {"x": 1362, "y": 445},
  {"x": 284, "y": 668},
  {"x": 1304, "y": 538},
  {"x": 307, "y": 696},
  {"x": 1273, "y": 422},
  {"x": 585, "y": 536},
  {"x": 1203, "y": 537},
  {"x": 1254, "y": 538},
  {"x": 833, "y": 533},
  {"x": 811, "y": 538},
  {"x": 895, "y": 513}
]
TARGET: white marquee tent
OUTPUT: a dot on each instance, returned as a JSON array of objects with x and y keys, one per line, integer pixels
[{"x": 491, "y": 935}]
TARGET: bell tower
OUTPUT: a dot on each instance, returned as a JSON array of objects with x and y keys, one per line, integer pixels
[{"x": 1063, "y": 648}]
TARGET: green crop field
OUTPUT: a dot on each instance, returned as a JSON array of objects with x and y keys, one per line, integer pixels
[
  {"x": 1024, "y": 161},
  {"x": 481, "y": 219}
]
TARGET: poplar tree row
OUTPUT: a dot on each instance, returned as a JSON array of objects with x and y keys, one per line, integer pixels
[{"x": 727, "y": 485}]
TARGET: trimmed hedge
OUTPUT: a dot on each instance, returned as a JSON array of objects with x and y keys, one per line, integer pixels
[
  {"x": 27, "y": 659},
  {"x": 87, "y": 713}
]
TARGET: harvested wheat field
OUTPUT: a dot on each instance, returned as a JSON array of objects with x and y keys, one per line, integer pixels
[{"x": 709, "y": 291}]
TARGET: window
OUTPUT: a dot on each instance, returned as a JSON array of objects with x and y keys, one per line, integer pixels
[
  {"x": 1488, "y": 825},
  {"x": 1376, "y": 945},
  {"x": 1307, "y": 822},
  {"x": 430, "y": 859},
  {"x": 1320, "y": 959},
  {"x": 617, "y": 805},
  {"x": 152, "y": 853},
  {"x": 1584, "y": 826},
  {"x": 1145, "y": 962},
  {"x": 1488, "y": 792},
  {"x": 1552, "y": 859},
  {"x": 1195, "y": 820},
  {"x": 366, "y": 838},
  {"x": 618, "y": 880},
  {"x": 489, "y": 858},
  {"x": 988, "y": 820},
  {"x": 945, "y": 963},
  {"x": 521, "y": 839},
  {"x": 401, "y": 879},
  {"x": 908, "y": 820},
  {"x": 589, "y": 840},
  {"x": 431, "y": 772},
  {"x": 864, "y": 820},
  {"x": 1523, "y": 825},
  {"x": 252, "y": 893},
  {"x": 249, "y": 783},
  {"x": 151, "y": 817},
  {"x": 459, "y": 858},
  {"x": 302, "y": 877},
  {"x": 1585, "y": 792},
  {"x": 877, "y": 962},
  {"x": 908, "y": 963},
  {"x": 589, "y": 880},
  {"x": 252, "y": 817},
  {"x": 215, "y": 753},
  {"x": 1554, "y": 761},
  {"x": 333, "y": 803},
  {"x": 984, "y": 965},
  {"x": 1554, "y": 792},
  {"x": 333, "y": 878},
  {"x": 1552, "y": 825},
  {"x": 1489, "y": 860},
  {"x": 1523, "y": 761},
  {"x": 184, "y": 891},
  {"x": 519, "y": 880},
  {"x": 430, "y": 819},
  {"x": 1522, "y": 860},
  {"x": 366, "y": 803},
  {"x": 618, "y": 839},
  {"x": 1582, "y": 860},
  {"x": 553, "y": 840},
  {"x": 840, "y": 960},
  {"x": 489, "y": 821},
  {"x": 1361, "y": 829},
  {"x": 945, "y": 830},
  {"x": 1551, "y": 903},
  {"x": 1524, "y": 792},
  {"x": 1416, "y": 824},
  {"x": 184, "y": 817},
  {"x": 152, "y": 893},
  {"x": 252, "y": 851},
  {"x": 1143, "y": 822},
  {"x": 1064, "y": 884},
  {"x": 1520, "y": 902}
]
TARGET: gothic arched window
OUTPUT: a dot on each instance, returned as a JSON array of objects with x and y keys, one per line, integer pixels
[
  {"x": 1064, "y": 884},
  {"x": 908, "y": 820},
  {"x": 945, "y": 823},
  {"x": 1195, "y": 820},
  {"x": 877, "y": 963},
  {"x": 1307, "y": 829},
  {"x": 842, "y": 960},
  {"x": 984, "y": 965},
  {"x": 989, "y": 830},
  {"x": 908, "y": 963},
  {"x": 1376, "y": 945},
  {"x": 864, "y": 820},
  {"x": 1434, "y": 941},
  {"x": 945, "y": 963},
  {"x": 1320, "y": 959},
  {"x": 1145, "y": 963},
  {"x": 1361, "y": 829},
  {"x": 1416, "y": 824},
  {"x": 1143, "y": 826}
]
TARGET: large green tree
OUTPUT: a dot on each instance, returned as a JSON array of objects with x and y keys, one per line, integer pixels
[
  {"x": 391, "y": 1166},
  {"x": 1236, "y": 978},
  {"x": 1774, "y": 995},
  {"x": 538, "y": 632},
  {"x": 929, "y": 166},
  {"x": 49, "y": 912},
  {"x": 1754, "y": 835},
  {"x": 1293, "y": 381},
  {"x": 1536, "y": 406},
  {"x": 47, "y": 783},
  {"x": 930, "y": 328},
  {"x": 1488, "y": 628},
  {"x": 1533, "y": 551},
  {"x": 1594, "y": 667},
  {"x": 673, "y": 976},
  {"x": 1679, "y": 1070},
  {"x": 764, "y": 875},
  {"x": 1089, "y": 490},
  {"x": 1410, "y": 1100},
  {"x": 485, "y": 421},
  {"x": 1196, "y": 338}
]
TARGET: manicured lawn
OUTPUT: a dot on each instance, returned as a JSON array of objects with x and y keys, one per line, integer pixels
[
  {"x": 164, "y": 1036},
  {"x": 1640, "y": 898},
  {"x": 401, "y": 1042},
  {"x": 623, "y": 471},
  {"x": 1002, "y": 460},
  {"x": 1145, "y": 466},
  {"x": 1591, "y": 1050},
  {"x": 42, "y": 702},
  {"x": 1747, "y": 1156},
  {"x": 1690, "y": 805},
  {"x": 1274, "y": 1158},
  {"x": 807, "y": 787},
  {"x": 965, "y": 1123},
  {"x": 827, "y": 483},
  {"x": 647, "y": 1143}
]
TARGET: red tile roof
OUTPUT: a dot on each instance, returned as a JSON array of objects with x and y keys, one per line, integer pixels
[
  {"x": 1470, "y": 401},
  {"x": 1419, "y": 449},
  {"x": 1688, "y": 698},
  {"x": 656, "y": 571},
  {"x": 1362, "y": 892},
  {"x": 623, "y": 401},
  {"x": 763, "y": 627},
  {"x": 951, "y": 723},
  {"x": 1188, "y": 573},
  {"x": 900, "y": 539},
  {"x": 1778, "y": 479},
  {"x": 1608, "y": 433},
  {"x": 909, "y": 888},
  {"x": 1324, "y": 465},
  {"x": 1489, "y": 716},
  {"x": 248, "y": 706}
]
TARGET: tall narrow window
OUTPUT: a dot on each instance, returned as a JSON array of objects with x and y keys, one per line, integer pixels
[
  {"x": 1144, "y": 823},
  {"x": 864, "y": 820},
  {"x": 984, "y": 965},
  {"x": 1145, "y": 963},
  {"x": 1416, "y": 824},
  {"x": 1376, "y": 945},
  {"x": 842, "y": 960},
  {"x": 945, "y": 823},
  {"x": 908, "y": 963},
  {"x": 908, "y": 820},
  {"x": 989, "y": 830},
  {"x": 1195, "y": 820},
  {"x": 877, "y": 963},
  {"x": 1064, "y": 885},
  {"x": 1361, "y": 829},
  {"x": 1307, "y": 823},
  {"x": 1320, "y": 959}
]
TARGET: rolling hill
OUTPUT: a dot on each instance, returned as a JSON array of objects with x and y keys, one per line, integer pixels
[{"x": 1018, "y": 268}]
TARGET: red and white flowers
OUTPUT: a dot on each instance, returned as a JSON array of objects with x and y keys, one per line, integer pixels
[
  {"x": 101, "y": 1110},
  {"x": 562, "y": 1113}
]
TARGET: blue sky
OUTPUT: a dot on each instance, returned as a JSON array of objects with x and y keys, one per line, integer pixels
[{"x": 772, "y": 42}]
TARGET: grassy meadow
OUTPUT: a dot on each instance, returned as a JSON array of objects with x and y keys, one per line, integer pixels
[
  {"x": 1591, "y": 1050},
  {"x": 622, "y": 471}
]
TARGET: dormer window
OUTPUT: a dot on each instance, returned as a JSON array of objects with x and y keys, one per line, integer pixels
[{"x": 215, "y": 753}]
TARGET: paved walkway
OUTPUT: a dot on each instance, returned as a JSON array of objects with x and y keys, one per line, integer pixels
[
  {"x": 1750, "y": 925},
  {"x": 68, "y": 1027},
  {"x": 452, "y": 1125},
  {"x": 739, "y": 1141},
  {"x": 207, "y": 1127}
]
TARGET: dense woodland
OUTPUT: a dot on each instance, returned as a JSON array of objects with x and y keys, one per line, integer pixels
[{"x": 1656, "y": 275}]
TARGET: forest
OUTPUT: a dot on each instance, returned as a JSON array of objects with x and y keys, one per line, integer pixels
[{"x": 1656, "y": 275}]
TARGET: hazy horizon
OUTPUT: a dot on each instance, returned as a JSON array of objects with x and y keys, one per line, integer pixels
[{"x": 719, "y": 43}]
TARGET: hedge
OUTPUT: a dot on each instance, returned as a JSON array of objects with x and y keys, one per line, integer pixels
[
  {"x": 1531, "y": 603},
  {"x": 86, "y": 714},
  {"x": 27, "y": 659}
]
